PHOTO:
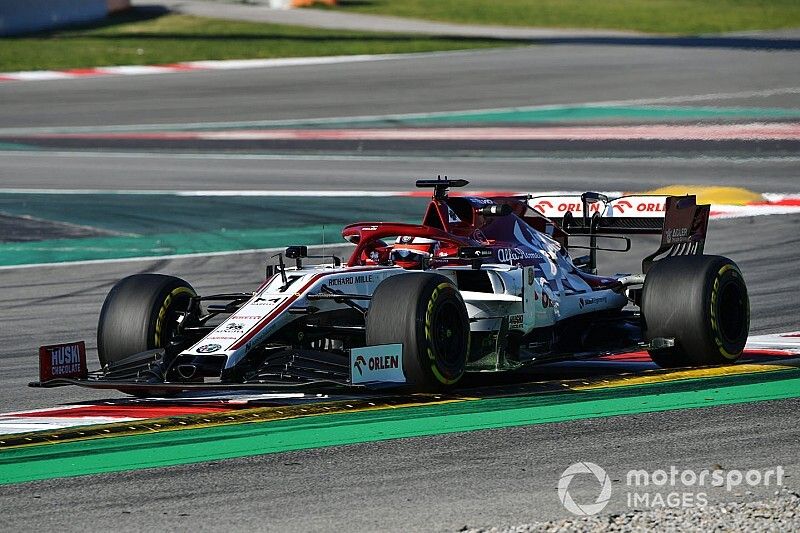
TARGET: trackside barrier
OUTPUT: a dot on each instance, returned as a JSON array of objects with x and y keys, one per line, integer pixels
[{"x": 25, "y": 16}]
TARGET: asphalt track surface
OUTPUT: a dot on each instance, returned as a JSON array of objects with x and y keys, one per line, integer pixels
[
  {"x": 214, "y": 171},
  {"x": 536, "y": 75},
  {"x": 426, "y": 484},
  {"x": 438, "y": 483}
]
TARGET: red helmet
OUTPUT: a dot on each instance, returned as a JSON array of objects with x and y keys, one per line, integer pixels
[{"x": 413, "y": 252}]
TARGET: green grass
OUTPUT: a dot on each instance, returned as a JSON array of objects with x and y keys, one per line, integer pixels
[
  {"x": 123, "y": 40},
  {"x": 659, "y": 16}
]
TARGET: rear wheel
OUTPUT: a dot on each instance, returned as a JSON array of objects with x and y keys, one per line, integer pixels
[
  {"x": 141, "y": 313},
  {"x": 424, "y": 312},
  {"x": 701, "y": 302}
]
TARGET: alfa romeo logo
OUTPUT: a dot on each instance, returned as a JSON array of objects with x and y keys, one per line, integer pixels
[
  {"x": 585, "y": 509},
  {"x": 209, "y": 348}
]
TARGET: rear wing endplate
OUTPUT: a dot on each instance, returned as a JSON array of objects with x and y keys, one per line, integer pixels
[{"x": 684, "y": 230}]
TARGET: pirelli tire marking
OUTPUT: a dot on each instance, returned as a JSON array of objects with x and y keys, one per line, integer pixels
[
  {"x": 714, "y": 309},
  {"x": 430, "y": 340},
  {"x": 162, "y": 313}
]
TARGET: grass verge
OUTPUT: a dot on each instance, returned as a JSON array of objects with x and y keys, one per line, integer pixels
[
  {"x": 135, "y": 39},
  {"x": 658, "y": 16}
]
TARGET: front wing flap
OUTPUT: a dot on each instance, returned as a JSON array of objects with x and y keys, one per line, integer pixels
[{"x": 145, "y": 372}]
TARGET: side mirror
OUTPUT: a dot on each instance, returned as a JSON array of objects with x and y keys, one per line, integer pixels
[
  {"x": 299, "y": 252},
  {"x": 296, "y": 252}
]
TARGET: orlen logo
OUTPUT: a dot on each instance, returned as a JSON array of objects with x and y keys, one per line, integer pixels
[
  {"x": 621, "y": 205},
  {"x": 375, "y": 364},
  {"x": 380, "y": 363},
  {"x": 542, "y": 205},
  {"x": 577, "y": 207},
  {"x": 650, "y": 207},
  {"x": 359, "y": 362}
]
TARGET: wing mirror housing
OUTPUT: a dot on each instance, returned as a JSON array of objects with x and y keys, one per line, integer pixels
[
  {"x": 296, "y": 252},
  {"x": 300, "y": 252}
]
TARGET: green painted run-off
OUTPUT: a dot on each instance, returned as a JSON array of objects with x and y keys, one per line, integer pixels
[
  {"x": 157, "y": 225},
  {"x": 508, "y": 115},
  {"x": 224, "y": 442},
  {"x": 591, "y": 114},
  {"x": 153, "y": 225}
]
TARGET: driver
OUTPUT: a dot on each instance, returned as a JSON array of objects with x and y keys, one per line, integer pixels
[{"x": 413, "y": 253}]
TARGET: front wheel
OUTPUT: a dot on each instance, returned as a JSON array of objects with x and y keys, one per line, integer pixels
[
  {"x": 424, "y": 312},
  {"x": 700, "y": 301},
  {"x": 141, "y": 313}
]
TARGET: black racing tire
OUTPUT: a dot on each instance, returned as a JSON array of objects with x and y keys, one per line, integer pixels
[
  {"x": 424, "y": 312},
  {"x": 139, "y": 314},
  {"x": 701, "y": 301}
]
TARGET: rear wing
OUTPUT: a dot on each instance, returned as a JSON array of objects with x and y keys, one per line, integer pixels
[
  {"x": 681, "y": 223},
  {"x": 627, "y": 214}
]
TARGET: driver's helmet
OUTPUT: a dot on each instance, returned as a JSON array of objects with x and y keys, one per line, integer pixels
[{"x": 412, "y": 252}]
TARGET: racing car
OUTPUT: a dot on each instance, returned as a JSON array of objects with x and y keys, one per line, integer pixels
[{"x": 483, "y": 284}]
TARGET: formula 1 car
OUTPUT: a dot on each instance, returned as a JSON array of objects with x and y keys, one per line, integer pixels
[{"x": 481, "y": 285}]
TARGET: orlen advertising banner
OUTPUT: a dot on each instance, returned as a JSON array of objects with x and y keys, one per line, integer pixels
[
  {"x": 640, "y": 206},
  {"x": 376, "y": 364}
]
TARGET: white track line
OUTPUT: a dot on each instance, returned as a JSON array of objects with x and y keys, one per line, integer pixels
[
  {"x": 702, "y": 159},
  {"x": 278, "y": 193},
  {"x": 683, "y": 132},
  {"x": 410, "y": 116},
  {"x": 199, "y": 66},
  {"x": 776, "y": 341},
  {"x": 174, "y": 256},
  {"x": 12, "y": 426}
]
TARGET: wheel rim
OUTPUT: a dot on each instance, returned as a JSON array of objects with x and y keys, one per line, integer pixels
[
  {"x": 732, "y": 316},
  {"x": 448, "y": 338},
  {"x": 169, "y": 325}
]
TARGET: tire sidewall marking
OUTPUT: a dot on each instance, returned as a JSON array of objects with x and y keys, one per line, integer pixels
[
  {"x": 162, "y": 312},
  {"x": 718, "y": 337},
  {"x": 429, "y": 337}
]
